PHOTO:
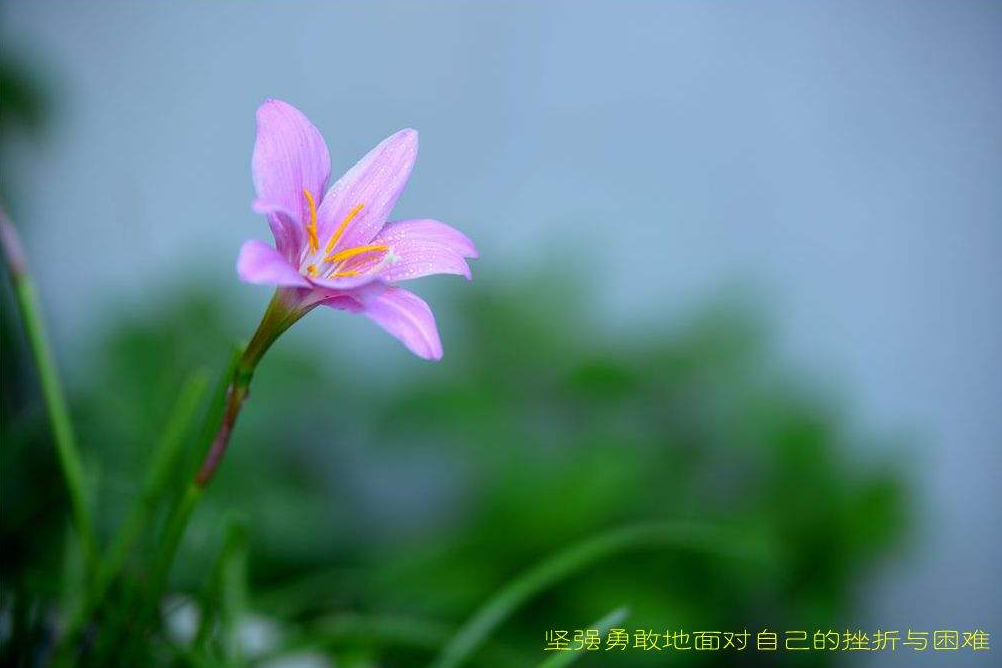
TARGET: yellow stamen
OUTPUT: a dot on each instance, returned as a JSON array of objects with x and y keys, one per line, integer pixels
[
  {"x": 311, "y": 271},
  {"x": 349, "y": 272},
  {"x": 340, "y": 229},
  {"x": 311, "y": 228},
  {"x": 347, "y": 253}
]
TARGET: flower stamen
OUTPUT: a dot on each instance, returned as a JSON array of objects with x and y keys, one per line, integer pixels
[
  {"x": 348, "y": 253},
  {"x": 311, "y": 271},
  {"x": 311, "y": 228},
  {"x": 340, "y": 230}
]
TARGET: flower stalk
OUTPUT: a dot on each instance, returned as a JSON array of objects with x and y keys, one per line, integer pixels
[
  {"x": 278, "y": 317},
  {"x": 282, "y": 313}
]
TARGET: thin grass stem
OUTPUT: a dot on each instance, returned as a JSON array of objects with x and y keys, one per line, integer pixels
[{"x": 67, "y": 450}]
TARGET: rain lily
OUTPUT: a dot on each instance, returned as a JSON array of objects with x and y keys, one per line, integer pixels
[{"x": 335, "y": 247}]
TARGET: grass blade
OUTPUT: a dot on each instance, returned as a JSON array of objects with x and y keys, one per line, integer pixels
[
  {"x": 177, "y": 522},
  {"x": 663, "y": 535},
  {"x": 134, "y": 615},
  {"x": 224, "y": 599},
  {"x": 165, "y": 460},
  {"x": 52, "y": 389}
]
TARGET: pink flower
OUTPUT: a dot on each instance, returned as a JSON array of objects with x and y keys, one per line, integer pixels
[{"x": 336, "y": 248}]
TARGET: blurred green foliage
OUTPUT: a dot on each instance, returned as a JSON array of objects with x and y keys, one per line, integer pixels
[{"x": 371, "y": 515}]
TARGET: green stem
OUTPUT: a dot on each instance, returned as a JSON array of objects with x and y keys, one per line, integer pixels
[
  {"x": 224, "y": 598},
  {"x": 177, "y": 521},
  {"x": 55, "y": 402},
  {"x": 167, "y": 549},
  {"x": 277, "y": 318},
  {"x": 164, "y": 461},
  {"x": 134, "y": 613}
]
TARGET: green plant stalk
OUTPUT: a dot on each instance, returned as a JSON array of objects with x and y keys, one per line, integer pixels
[
  {"x": 137, "y": 627},
  {"x": 135, "y": 611},
  {"x": 169, "y": 544},
  {"x": 164, "y": 461},
  {"x": 167, "y": 549},
  {"x": 224, "y": 598},
  {"x": 62, "y": 428},
  {"x": 684, "y": 535},
  {"x": 277, "y": 318},
  {"x": 182, "y": 509},
  {"x": 234, "y": 596}
]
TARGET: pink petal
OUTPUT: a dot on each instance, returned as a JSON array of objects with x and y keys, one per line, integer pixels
[
  {"x": 429, "y": 230},
  {"x": 342, "y": 302},
  {"x": 347, "y": 282},
  {"x": 260, "y": 263},
  {"x": 289, "y": 156},
  {"x": 375, "y": 182},
  {"x": 407, "y": 317},
  {"x": 424, "y": 247},
  {"x": 289, "y": 234}
]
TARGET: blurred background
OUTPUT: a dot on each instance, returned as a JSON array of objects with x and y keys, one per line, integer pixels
[{"x": 739, "y": 262}]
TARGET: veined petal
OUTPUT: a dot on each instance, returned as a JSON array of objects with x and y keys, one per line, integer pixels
[
  {"x": 260, "y": 263},
  {"x": 375, "y": 184},
  {"x": 424, "y": 247},
  {"x": 414, "y": 259},
  {"x": 426, "y": 229},
  {"x": 290, "y": 156},
  {"x": 407, "y": 317}
]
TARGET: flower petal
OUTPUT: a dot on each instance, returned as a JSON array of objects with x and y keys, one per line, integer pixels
[
  {"x": 347, "y": 282},
  {"x": 289, "y": 156},
  {"x": 342, "y": 302},
  {"x": 289, "y": 234},
  {"x": 424, "y": 247},
  {"x": 260, "y": 263},
  {"x": 375, "y": 182},
  {"x": 426, "y": 229},
  {"x": 407, "y": 317}
]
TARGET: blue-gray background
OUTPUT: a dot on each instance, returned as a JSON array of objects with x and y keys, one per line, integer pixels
[{"x": 843, "y": 159}]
